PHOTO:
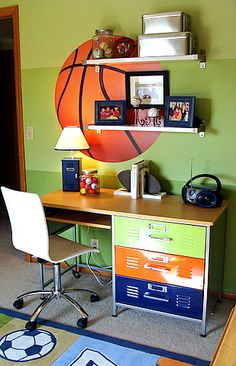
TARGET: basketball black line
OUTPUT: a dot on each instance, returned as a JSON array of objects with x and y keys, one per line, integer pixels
[
  {"x": 102, "y": 66},
  {"x": 102, "y": 86},
  {"x": 80, "y": 108},
  {"x": 81, "y": 88},
  {"x": 132, "y": 140},
  {"x": 69, "y": 67},
  {"x": 67, "y": 82},
  {"x": 103, "y": 89}
]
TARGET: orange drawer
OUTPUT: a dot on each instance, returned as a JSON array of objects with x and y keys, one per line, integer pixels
[{"x": 159, "y": 267}]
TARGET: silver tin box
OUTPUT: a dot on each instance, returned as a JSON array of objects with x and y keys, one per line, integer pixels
[
  {"x": 166, "y": 22},
  {"x": 166, "y": 44}
]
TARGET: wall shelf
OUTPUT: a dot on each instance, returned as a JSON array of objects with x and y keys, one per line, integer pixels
[
  {"x": 104, "y": 61},
  {"x": 199, "y": 130}
]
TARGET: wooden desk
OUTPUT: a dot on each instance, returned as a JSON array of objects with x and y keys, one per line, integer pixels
[
  {"x": 106, "y": 209},
  {"x": 226, "y": 351},
  {"x": 106, "y": 204}
]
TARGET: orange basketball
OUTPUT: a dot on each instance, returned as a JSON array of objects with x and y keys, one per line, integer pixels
[{"x": 77, "y": 89}]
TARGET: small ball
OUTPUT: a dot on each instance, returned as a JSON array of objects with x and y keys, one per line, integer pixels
[
  {"x": 97, "y": 53},
  {"x": 94, "y": 186},
  {"x": 83, "y": 191},
  {"x": 135, "y": 101},
  {"x": 103, "y": 45},
  {"x": 108, "y": 52},
  {"x": 88, "y": 180},
  {"x": 152, "y": 112}
]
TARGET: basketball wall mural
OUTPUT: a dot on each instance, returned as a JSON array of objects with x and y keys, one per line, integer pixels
[{"x": 79, "y": 86}]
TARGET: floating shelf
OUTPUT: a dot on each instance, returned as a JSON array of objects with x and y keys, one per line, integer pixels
[
  {"x": 104, "y": 61},
  {"x": 199, "y": 131}
]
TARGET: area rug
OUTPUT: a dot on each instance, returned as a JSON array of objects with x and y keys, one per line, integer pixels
[{"x": 54, "y": 344}]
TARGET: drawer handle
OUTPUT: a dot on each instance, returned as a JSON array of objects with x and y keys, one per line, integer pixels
[
  {"x": 158, "y": 238},
  {"x": 147, "y": 295},
  {"x": 160, "y": 268}
]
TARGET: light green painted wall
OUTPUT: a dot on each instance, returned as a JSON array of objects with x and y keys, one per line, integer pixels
[{"x": 51, "y": 29}]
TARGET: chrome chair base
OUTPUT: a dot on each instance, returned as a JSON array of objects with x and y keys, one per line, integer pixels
[{"x": 57, "y": 292}]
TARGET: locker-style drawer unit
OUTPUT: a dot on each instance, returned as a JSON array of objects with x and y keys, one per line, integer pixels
[
  {"x": 159, "y": 267},
  {"x": 171, "y": 263},
  {"x": 160, "y": 297},
  {"x": 166, "y": 237}
]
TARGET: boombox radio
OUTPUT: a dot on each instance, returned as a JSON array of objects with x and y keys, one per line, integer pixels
[{"x": 202, "y": 196}]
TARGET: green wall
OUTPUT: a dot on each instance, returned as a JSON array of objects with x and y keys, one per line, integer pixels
[{"x": 51, "y": 29}]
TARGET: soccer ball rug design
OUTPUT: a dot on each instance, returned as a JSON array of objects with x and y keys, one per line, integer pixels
[{"x": 24, "y": 345}]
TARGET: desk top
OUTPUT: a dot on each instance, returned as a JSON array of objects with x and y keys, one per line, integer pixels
[
  {"x": 170, "y": 208},
  {"x": 226, "y": 354}
]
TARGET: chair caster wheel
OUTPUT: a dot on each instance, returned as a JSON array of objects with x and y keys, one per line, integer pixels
[
  {"x": 31, "y": 326},
  {"x": 82, "y": 323},
  {"x": 18, "y": 304},
  {"x": 94, "y": 298},
  {"x": 76, "y": 274}
]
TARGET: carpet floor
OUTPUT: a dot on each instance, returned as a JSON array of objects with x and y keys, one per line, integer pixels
[
  {"x": 54, "y": 344},
  {"x": 154, "y": 330}
]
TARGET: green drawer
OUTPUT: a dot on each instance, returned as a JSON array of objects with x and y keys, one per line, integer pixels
[{"x": 181, "y": 239}]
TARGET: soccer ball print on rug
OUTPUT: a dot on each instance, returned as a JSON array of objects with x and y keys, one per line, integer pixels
[
  {"x": 23, "y": 345},
  {"x": 54, "y": 344}
]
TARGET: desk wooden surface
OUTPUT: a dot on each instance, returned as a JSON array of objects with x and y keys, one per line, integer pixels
[
  {"x": 226, "y": 352},
  {"x": 169, "y": 208}
]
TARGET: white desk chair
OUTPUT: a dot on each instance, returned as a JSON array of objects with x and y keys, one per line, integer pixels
[{"x": 30, "y": 235}]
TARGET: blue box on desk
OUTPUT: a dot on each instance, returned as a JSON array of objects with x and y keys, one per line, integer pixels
[{"x": 70, "y": 174}]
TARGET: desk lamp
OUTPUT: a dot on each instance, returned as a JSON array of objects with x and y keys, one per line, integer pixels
[{"x": 71, "y": 139}]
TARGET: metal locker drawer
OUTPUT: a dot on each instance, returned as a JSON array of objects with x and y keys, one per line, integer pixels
[
  {"x": 159, "y": 267},
  {"x": 157, "y": 296},
  {"x": 166, "y": 237}
]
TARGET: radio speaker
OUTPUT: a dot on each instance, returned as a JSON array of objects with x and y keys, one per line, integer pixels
[{"x": 202, "y": 196}]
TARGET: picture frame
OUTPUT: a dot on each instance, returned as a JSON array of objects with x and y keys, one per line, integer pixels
[
  {"x": 110, "y": 112},
  {"x": 149, "y": 87},
  {"x": 179, "y": 111}
]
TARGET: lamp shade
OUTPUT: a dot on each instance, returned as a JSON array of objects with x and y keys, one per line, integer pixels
[{"x": 71, "y": 139}]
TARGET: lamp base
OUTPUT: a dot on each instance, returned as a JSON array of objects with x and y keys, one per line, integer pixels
[{"x": 70, "y": 174}]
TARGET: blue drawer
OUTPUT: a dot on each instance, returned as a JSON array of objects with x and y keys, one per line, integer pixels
[{"x": 160, "y": 297}]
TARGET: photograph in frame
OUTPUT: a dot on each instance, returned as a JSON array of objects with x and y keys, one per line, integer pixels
[
  {"x": 110, "y": 113},
  {"x": 179, "y": 111},
  {"x": 149, "y": 87}
]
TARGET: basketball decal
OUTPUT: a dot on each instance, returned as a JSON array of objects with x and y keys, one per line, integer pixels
[{"x": 78, "y": 86}]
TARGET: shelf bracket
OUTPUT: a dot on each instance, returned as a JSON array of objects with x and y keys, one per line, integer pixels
[
  {"x": 201, "y": 129},
  {"x": 202, "y": 57}
]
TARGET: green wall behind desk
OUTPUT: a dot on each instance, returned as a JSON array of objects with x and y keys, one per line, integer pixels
[{"x": 51, "y": 29}]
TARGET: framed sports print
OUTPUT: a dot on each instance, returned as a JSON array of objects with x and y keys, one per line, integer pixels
[{"x": 148, "y": 88}]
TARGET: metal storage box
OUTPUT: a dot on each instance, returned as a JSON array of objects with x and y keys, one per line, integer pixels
[
  {"x": 166, "y": 44},
  {"x": 166, "y": 22}
]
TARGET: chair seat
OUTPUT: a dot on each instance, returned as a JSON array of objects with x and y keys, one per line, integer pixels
[{"x": 61, "y": 249}]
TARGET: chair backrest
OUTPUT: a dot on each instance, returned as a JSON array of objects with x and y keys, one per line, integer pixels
[{"x": 28, "y": 222}]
